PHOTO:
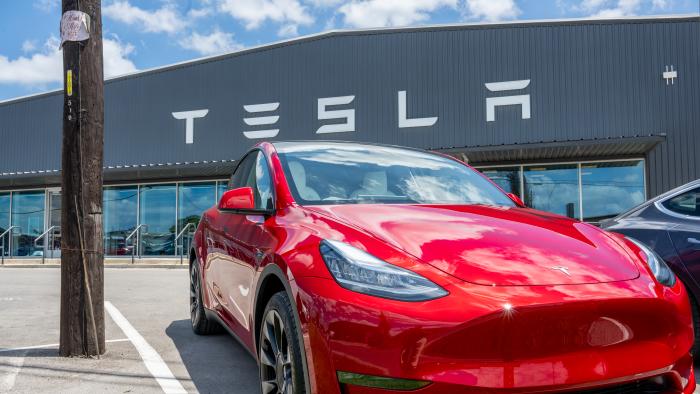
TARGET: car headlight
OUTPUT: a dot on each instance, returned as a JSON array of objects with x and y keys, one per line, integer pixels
[
  {"x": 658, "y": 266},
  {"x": 359, "y": 271}
]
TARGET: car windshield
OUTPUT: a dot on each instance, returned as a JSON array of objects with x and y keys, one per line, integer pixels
[{"x": 348, "y": 173}]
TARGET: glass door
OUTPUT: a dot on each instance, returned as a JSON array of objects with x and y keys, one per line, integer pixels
[
  {"x": 192, "y": 200},
  {"x": 53, "y": 241},
  {"x": 28, "y": 216},
  {"x": 157, "y": 211},
  {"x": 120, "y": 204},
  {"x": 4, "y": 222}
]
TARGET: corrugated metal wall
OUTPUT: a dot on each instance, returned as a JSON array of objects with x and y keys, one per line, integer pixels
[{"x": 589, "y": 80}]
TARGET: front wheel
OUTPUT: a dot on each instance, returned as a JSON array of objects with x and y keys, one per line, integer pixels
[{"x": 281, "y": 369}]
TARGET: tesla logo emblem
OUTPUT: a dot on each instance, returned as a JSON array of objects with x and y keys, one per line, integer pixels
[
  {"x": 262, "y": 120},
  {"x": 562, "y": 269}
]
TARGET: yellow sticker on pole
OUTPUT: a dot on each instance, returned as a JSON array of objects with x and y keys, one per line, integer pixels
[{"x": 69, "y": 82}]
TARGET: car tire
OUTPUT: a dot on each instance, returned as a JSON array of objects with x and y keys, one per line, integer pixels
[
  {"x": 695, "y": 350},
  {"x": 201, "y": 325},
  {"x": 279, "y": 350}
]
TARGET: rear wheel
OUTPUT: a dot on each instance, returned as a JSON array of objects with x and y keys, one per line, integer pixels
[
  {"x": 696, "y": 323},
  {"x": 281, "y": 369},
  {"x": 200, "y": 324}
]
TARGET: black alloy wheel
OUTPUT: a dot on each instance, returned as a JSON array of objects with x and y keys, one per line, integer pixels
[
  {"x": 281, "y": 371},
  {"x": 201, "y": 325}
]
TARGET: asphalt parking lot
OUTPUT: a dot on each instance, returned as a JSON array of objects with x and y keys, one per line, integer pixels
[{"x": 151, "y": 300}]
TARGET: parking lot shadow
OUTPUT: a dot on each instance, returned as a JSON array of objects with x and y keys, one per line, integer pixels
[{"x": 216, "y": 364}]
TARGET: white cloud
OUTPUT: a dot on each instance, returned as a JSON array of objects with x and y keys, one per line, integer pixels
[
  {"x": 254, "y": 12},
  {"x": 325, "y": 3},
  {"x": 492, "y": 10},
  {"x": 29, "y": 46},
  {"x": 116, "y": 57},
  {"x": 288, "y": 31},
  {"x": 163, "y": 20},
  {"x": 40, "y": 68},
  {"x": 616, "y": 8},
  {"x": 619, "y": 9},
  {"x": 45, "y": 66},
  {"x": 216, "y": 42},
  {"x": 592, "y": 4},
  {"x": 380, "y": 13},
  {"x": 199, "y": 13},
  {"x": 613, "y": 8}
]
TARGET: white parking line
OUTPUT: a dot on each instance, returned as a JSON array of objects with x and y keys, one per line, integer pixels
[
  {"x": 50, "y": 345},
  {"x": 8, "y": 374},
  {"x": 154, "y": 363}
]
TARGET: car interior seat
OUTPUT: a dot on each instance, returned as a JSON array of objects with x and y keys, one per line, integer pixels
[
  {"x": 299, "y": 177},
  {"x": 374, "y": 184}
]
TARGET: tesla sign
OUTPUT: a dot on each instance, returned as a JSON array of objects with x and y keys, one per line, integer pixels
[{"x": 262, "y": 118}]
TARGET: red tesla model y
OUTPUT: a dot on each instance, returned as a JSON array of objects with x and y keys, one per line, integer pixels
[{"x": 356, "y": 268}]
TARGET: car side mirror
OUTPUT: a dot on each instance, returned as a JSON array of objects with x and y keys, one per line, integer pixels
[
  {"x": 516, "y": 200},
  {"x": 240, "y": 199}
]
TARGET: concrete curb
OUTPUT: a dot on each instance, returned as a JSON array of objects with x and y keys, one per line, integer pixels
[{"x": 119, "y": 266}]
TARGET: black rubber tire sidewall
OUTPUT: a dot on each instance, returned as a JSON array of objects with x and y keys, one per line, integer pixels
[
  {"x": 280, "y": 303},
  {"x": 695, "y": 350},
  {"x": 201, "y": 325}
]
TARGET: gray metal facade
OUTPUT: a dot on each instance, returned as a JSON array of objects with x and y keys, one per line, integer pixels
[{"x": 590, "y": 81}]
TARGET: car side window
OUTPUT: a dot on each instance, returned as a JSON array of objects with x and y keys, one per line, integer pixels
[
  {"x": 263, "y": 183},
  {"x": 242, "y": 172},
  {"x": 254, "y": 173},
  {"x": 687, "y": 203}
]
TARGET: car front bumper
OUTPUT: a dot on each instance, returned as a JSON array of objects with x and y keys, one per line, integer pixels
[{"x": 510, "y": 339}]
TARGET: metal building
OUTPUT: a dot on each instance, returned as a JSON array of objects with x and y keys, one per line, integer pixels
[{"x": 585, "y": 118}]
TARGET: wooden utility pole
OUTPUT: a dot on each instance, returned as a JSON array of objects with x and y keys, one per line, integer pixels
[{"x": 82, "y": 256}]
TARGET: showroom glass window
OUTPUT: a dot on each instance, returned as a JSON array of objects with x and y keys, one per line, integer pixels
[
  {"x": 193, "y": 199},
  {"x": 609, "y": 188},
  {"x": 552, "y": 188},
  {"x": 508, "y": 178},
  {"x": 4, "y": 220},
  {"x": 221, "y": 188},
  {"x": 120, "y": 210},
  {"x": 28, "y": 215},
  {"x": 157, "y": 212},
  {"x": 53, "y": 242},
  {"x": 687, "y": 203}
]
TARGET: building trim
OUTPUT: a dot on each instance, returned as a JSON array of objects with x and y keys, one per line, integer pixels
[{"x": 125, "y": 167}]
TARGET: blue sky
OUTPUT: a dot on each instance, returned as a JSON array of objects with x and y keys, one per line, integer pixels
[{"x": 142, "y": 34}]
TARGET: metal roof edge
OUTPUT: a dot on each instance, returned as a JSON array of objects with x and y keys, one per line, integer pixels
[
  {"x": 117, "y": 167},
  {"x": 378, "y": 30},
  {"x": 651, "y": 138}
]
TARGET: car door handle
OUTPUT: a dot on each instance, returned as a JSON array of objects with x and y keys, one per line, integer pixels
[{"x": 694, "y": 241}]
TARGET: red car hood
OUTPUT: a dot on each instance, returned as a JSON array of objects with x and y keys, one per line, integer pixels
[{"x": 494, "y": 245}]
